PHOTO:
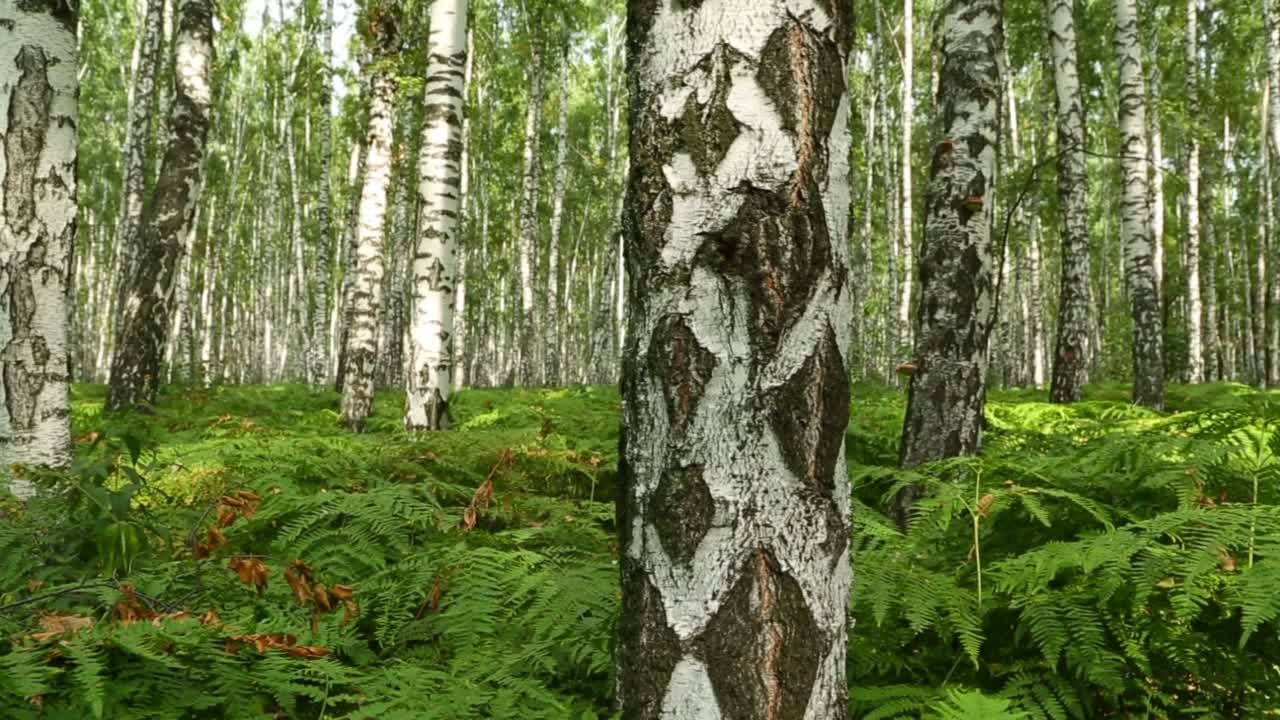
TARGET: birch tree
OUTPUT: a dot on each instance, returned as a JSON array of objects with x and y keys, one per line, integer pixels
[
  {"x": 553, "y": 360},
  {"x": 528, "y": 243},
  {"x": 1195, "y": 307},
  {"x": 1139, "y": 266},
  {"x": 144, "y": 320},
  {"x": 435, "y": 260},
  {"x": 138, "y": 139},
  {"x": 1072, "y": 349},
  {"x": 957, "y": 271},
  {"x": 319, "y": 347},
  {"x": 734, "y": 509},
  {"x": 38, "y": 116},
  {"x": 1272, "y": 16},
  {"x": 360, "y": 363}
]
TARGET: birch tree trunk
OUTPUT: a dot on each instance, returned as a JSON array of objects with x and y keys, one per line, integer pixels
[
  {"x": 552, "y": 339},
  {"x": 144, "y": 322},
  {"x": 1156, "y": 155},
  {"x": 137, "y": 144},
  {"x": 1273, "y": 145},
  {"x": 318, "y": 360},
  {"x": 908, "y": 221},
  {"x": 38, "y": 115},
  {"x": 1072, "y": 348},
  {"x": 734, "y": 510},
  {"x": 435, "y": 260},
  {"x": 1139, "y": 266},
  {"x": 528, "y": 249},
  {"x": 461, "y": 348},
  {"x": 361, "y": 364},
  {"x": 957, "y": 278},
  {"x": 1195, "y": 307}
]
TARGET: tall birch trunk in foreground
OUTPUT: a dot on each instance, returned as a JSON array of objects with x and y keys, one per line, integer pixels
[
  {"x": 361, "y": 361},
  {"x": 144, "y": 321},
  {"x": 957, "y": 270},
  {"x": 1195, "y": 307},
  {"x": 435, "y": 260},
  {"x": 38, "y": 88},
  {"x": 734, "y": 509},
  {"x": 1072, "y": 350},
  {"x": 1139, "y": 265}
]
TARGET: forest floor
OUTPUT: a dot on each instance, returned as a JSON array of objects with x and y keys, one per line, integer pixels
[{"x": 238, "y": 555}]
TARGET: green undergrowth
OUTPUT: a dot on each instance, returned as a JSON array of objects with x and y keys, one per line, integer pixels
[{"x": 237, "y": 554}]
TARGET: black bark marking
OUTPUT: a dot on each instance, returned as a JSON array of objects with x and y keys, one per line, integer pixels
[
  {"x": 684, "y": 366},
  {"x": 810, "y": 413},
  {"x": 648, "y": 649},
  {"x": 763, "y": 648},
  {"x": 682, "y": 510},
  {"x": 26, "y": 356}
]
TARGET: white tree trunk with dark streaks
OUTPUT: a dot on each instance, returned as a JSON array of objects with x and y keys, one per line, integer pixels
[
  {"x": 144, "y": 320},
  {"x": 1139, "y": 265},
  {"x": 360, "y": 364},
  {"x": 957, "y": 288},
  {"x": 435, "y": 260},
  {"x": 38, "y": 116},
  {"x": 1073, "y": 347},
  {"x": 734, "y": 513}
]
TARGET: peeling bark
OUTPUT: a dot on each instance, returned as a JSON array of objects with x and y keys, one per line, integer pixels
[
  {"x": 957, "y": 269},
  {"x": 38, "y": 116},
  {"x": 734, "y": 508},
  {"x": 144, "y": 322}
]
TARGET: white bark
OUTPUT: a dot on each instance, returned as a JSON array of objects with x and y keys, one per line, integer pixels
[
  {"x": 366, "y": 285},
  {"x": 552, "y": 339},
  {"x": 435, "y": 263},
  {"x": 1139, "y": 267},
  {"x": 38, "y": 115},
  {"x": 733, "y": 515},
  {"x": 1195, "y": 308}
]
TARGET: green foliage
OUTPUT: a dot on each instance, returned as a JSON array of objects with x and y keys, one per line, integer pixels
[{"x": 1127, "y": 563}]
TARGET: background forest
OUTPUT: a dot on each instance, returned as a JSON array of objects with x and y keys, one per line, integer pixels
[{"x": 235, "y": 550}]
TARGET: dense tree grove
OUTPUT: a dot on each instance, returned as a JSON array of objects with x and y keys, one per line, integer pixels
[{"x": 737, "y": 222}]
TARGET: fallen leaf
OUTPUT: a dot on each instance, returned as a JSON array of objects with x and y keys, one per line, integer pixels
[{"x": 58, "y": 625}]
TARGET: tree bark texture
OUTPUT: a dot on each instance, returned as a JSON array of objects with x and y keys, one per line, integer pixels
[
  {"x": 1139, "y": 265},
  {"x": 148, "y": 300},
  {"x": 435, "y": 259},
  {"x": 361, "y": 362},
  {"x": 734, "y": 507},
  {"x": 528, "y": 242},
  {"x": 1072, "y": 349},
  {"x": 957, "y": 269},
  {"x": 1195, "y": 306},
  {"x": 38, "y": 116}
]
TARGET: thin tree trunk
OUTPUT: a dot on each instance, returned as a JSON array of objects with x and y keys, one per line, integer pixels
[
  {"x": 435, "y": 261},
  {"x": 1073, "y": 347},
  {"x": 135, "y": 365},
  {"x": 552, "y": 339},
  {"x": 1273, "y": 146},
  {"x": 908, "y": 222},
  {"x": 1156, "y": 155},
  {"x": 461, "y": 366},
  {"x": 957, "y": 292},
  {"x": 1139, "y": 266},
  {"x": 366, "y": 286},
  {"x": 319, "y": 346},
  {"x": 734, "y": 510},
  {"x": 529, "y": 220},
  {"x": 1195, "y": 332},
  {"x": 38, "y": 89},
  {"x": 356, "y": 179}
]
